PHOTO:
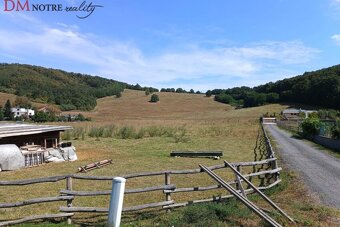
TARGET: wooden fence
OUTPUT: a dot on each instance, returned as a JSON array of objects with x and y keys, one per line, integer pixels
[
  {"x": 291, "y": 125},
  {"x": 68, "y": 194}
]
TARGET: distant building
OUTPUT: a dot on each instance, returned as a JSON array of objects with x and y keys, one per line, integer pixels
[
  {"x": 44, "y": 109},
  {"x": 22, "y": 112},
  {"x": 292, "y": 113},
  {"x": 49, "y": 110},
  {"x": 268, "y": 120},
  {"x": 70, "y": 117}
]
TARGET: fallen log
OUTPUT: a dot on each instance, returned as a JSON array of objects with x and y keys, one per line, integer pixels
[{"x": 95, "y": 165}]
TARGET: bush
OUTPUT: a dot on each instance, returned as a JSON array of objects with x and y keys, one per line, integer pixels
[
  {"x": 41, "y": 117},
  {"x": 180, "y": 135},
  {"x": 154, "y": 98},
  {"x": 126, "y": 133},
  {"x": 311, "y": 127}
]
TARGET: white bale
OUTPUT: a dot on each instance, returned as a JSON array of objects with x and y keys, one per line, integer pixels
[{"x": 11, "y": 157}]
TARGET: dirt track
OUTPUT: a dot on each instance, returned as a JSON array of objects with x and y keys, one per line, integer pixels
[{"x": 320, "y": 171}]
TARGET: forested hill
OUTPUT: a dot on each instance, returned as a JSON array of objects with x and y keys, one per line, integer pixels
[
  {"x": 69, "y": 90},
  {"x": 319, "y": 88}
]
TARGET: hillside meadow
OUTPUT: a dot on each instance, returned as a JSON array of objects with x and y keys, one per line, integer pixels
[{"x": 177, "y": 122}]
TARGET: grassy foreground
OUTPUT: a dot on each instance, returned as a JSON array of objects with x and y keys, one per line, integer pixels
[{"x": 190, "y": 122}]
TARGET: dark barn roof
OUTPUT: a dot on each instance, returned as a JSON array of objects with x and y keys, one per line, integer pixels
[{"x": 9, "y": 130}]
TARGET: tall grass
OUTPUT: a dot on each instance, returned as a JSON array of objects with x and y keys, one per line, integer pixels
[{"x": 127, "y": 132}]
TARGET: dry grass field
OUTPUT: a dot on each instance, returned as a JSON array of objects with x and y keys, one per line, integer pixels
[{"x": 205, "y": 125}]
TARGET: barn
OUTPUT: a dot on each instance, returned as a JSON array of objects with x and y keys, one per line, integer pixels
[
  {"x": 46, "y": 136},
  {"x": 27, "y": 145}
]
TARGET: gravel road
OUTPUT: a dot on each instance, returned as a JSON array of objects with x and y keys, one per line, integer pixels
[{"x": 320, "y": 171}]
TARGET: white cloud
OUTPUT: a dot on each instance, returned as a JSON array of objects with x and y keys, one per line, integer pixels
[
  {"x": 336, "y": 38},
  {"x": 126, "y": 62}
]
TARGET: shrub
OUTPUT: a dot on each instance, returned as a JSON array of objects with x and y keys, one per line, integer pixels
[
  {"x": 126, "y": 133},
  {"x": 41, "y": 117},
  {"x": 311, "y": 127},
  {"x": 180, "y": 135},
  {"x": 154, "y": 98}
]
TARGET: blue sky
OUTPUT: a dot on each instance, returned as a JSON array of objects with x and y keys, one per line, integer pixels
[{"x": 179, "y": 43}]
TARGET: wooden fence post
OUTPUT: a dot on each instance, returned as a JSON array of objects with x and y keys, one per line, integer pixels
[
  {"x": 237, "y": 182},
  {"x": 167, "y": 194},
  {"x": 69, "y": 202}
]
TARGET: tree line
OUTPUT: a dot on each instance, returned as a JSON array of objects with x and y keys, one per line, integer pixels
[
  {"x": 318, "y": 88},
  {"x": 180, "y": 90}
]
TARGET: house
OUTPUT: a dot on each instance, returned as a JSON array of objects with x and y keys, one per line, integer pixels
[
  {"x": 292, "y": 113},
  {"x": 22, "y": 112}
]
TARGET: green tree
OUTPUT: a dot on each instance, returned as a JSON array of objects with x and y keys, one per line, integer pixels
[
  {"x": 208, "y": 93},
  {"x": 41, "y": 117},
  {"x": 8, "y": 115},
  {"x": 180, "y": 90},
  {"x": 272, "y": 97},
  {"x": 147, "y": 92},
  {"x": 224, "y": 98},
  {"x": 154, "y": 98}
]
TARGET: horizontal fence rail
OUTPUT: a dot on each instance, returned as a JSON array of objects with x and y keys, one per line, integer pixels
[
  {"x": 167, "y": 188},
  {"x": 128, "y": 176}
]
